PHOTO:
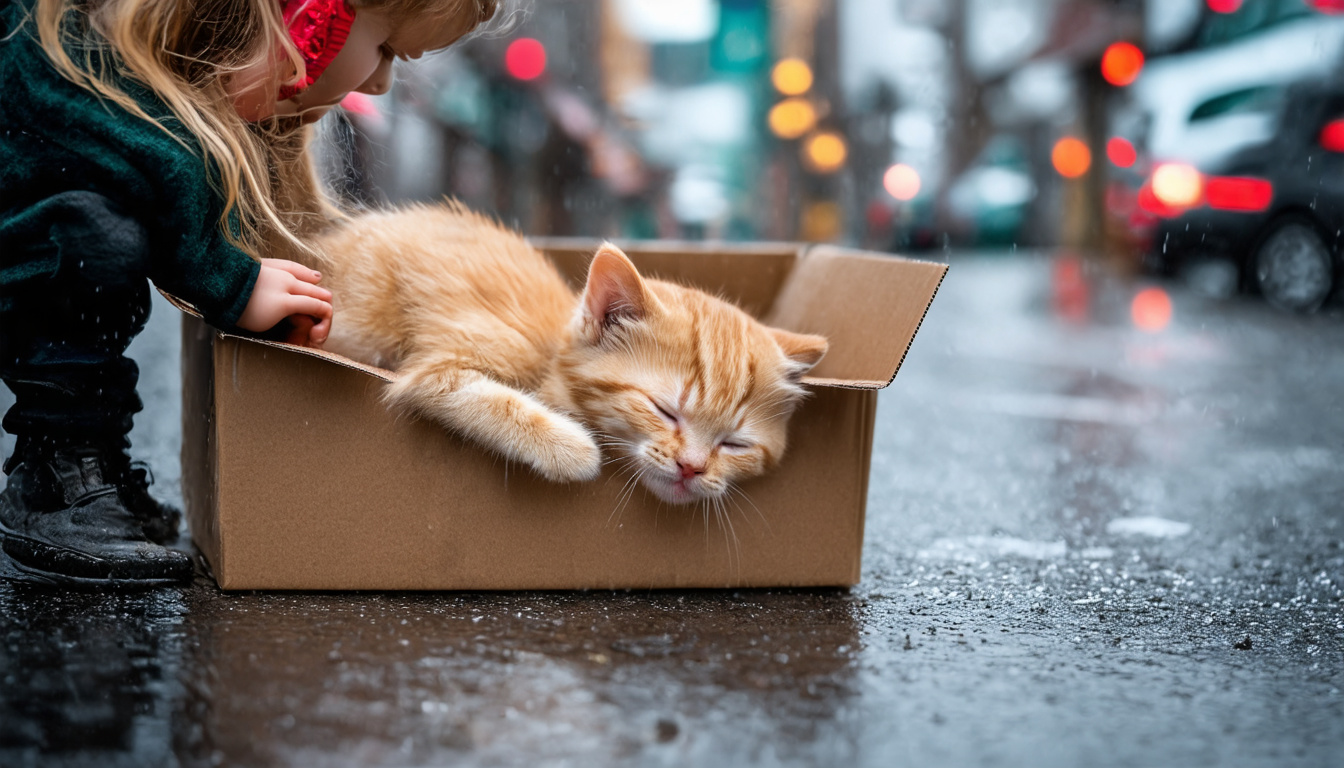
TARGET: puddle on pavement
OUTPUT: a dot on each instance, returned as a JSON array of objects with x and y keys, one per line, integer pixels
[{"x": 205, "y": 677}]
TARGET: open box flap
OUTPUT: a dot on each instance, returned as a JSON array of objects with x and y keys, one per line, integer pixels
[
  {"x": 321, "y": 354},
  {"x": 869, "y": 306},
  {"x": 747, "y": 274}
]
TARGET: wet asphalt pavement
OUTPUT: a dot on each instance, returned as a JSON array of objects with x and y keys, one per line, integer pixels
[{"x": 1087, "y": 544}]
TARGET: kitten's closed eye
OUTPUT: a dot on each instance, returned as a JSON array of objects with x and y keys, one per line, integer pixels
[
  {"x": 734, "y": 446},
  {"x": 667, "y": 415}
]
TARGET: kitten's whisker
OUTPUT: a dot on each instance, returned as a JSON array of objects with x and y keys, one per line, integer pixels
[
  {"x": 623, "y": 496},
  {"x": 630, "y": 494},
  {"x": 614, "y": 474},
  {"x": 735, "y": 488},
  {"x": 729, "y": 535},
  {"x": 705, "y": 507}
]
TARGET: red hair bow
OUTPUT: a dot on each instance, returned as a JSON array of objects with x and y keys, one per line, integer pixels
[{"x": 318, "y": 29}]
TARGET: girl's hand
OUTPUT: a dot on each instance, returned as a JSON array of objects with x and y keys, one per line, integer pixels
[{"x": 288, "y": 289}]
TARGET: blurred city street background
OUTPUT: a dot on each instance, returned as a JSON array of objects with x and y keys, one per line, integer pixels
[{"x": 1104, "y": 520}]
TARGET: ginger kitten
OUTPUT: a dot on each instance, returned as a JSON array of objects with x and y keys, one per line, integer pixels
[{"x": 489, "y": 341}]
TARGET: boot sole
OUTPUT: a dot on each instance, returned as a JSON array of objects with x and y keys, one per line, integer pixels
[
  {"x": 21, "y": 573},
  {"x": 38, "y": 575}
]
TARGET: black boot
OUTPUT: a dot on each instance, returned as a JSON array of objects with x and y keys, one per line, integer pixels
[
  {"x": 64, "y": 519},
  {"x": 158, "y": 519}
]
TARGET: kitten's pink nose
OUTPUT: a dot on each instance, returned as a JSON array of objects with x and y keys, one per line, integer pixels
[{"x": 690, "y": 470}]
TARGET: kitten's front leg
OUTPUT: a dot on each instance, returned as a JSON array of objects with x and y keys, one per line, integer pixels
[{"x": 501, "y": 418}]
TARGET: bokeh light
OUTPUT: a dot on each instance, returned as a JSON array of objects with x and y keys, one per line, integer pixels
[
  {"x": 822, "y": 221},
  {"x": 1178, "y": 185},
  {"x": 901, "y": 182},
  {"x": 792, "y": 77},
  {"x": 1332, "y": 136},
  {"x": 525, "y": 58},
  {"x": 1151, "y": 309},
  {"x": 1121, "y": 152},
  {"x": 1121, "y": 63},
  {"x": 1071, "y": 157},
  {"x": 792, "y": 118},
  {"x": 825, "y": 152},
  {"x": 1224, "y": 6}
]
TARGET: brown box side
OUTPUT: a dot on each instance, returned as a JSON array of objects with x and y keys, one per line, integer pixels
[
  {"x": 199, "y": 481},
  {"x": 400, "y": 504}
]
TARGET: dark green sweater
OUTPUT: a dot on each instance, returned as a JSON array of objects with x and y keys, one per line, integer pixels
[{"x": 56, "y": 137}]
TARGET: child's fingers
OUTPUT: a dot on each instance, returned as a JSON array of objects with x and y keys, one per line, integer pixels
[
  {"x": 318, "y": 334},
  {"x": 294, "y": 268},
  {"x": 308, "y": 289},
  {"x": 308, "y": 305}
]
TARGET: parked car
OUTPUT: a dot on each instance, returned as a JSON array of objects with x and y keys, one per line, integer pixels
[{"x": 1274, "y": 211}]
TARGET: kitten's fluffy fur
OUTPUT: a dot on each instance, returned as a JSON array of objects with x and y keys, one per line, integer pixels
[{"x": 489, "y": 341}]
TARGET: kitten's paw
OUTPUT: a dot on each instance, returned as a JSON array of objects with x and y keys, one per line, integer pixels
[{"x": 568, "y": 453}]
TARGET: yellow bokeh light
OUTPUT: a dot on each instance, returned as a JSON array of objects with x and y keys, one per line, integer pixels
[
  {"x": 792, "y": 77},
  {"x": 825, "y": 152},
  {"x": 792, "y": 118},
  {"x": 822, "y": 222}
]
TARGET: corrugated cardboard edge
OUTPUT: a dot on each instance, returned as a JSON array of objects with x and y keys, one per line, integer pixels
[
  {"x": 321, "y": 354},
  {"x": 870, "y": 422},
  {"x": 922, "y": 315}
]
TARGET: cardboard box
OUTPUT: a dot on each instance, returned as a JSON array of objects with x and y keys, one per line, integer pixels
[{"x": 296, "y": 476}]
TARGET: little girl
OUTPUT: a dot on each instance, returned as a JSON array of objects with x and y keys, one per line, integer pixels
[{"x": 142, "y": 140}]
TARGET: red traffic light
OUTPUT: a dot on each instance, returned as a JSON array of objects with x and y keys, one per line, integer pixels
[
  {"x": 525, "y": 59},
  {"x": 1121, "y": 63}
]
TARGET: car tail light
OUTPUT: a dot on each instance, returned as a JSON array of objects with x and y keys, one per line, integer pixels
[
  {"x": 1175, "y": 188},
  {"x": 1150, "y": 203},
  {"x": 1238, "y": 194},
  {"x": 1177, "y": 185},
  {"x": 1332, "y": 136}
]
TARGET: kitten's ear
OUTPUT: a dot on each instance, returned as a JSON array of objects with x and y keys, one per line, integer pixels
[
  {"x": 615, "y": 292},
  {"x": 802, "y": 349}
]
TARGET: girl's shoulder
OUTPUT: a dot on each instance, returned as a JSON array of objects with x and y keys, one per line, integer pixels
[{"x": 48, "y": 117}]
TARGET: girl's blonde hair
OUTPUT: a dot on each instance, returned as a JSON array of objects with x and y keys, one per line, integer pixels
[{"x": 185, "y": 51}]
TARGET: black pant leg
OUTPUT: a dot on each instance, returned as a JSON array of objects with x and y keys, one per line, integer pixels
[{"x": 74, "y": 292}]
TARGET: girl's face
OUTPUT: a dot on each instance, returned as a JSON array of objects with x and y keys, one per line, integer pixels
[{"x": 364, "y": 64}]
